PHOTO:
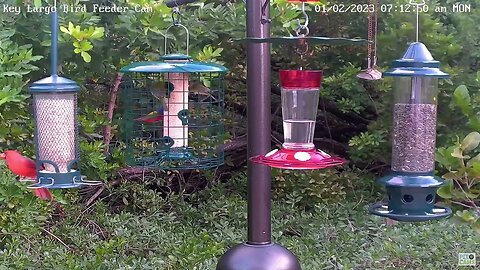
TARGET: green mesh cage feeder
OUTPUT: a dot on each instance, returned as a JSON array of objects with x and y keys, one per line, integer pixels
[{"x": 173, "y": 113}]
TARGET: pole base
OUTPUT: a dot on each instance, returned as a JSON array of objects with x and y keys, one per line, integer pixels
[{"x": 258, "y": 257}]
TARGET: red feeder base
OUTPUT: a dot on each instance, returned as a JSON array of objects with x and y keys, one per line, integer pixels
[{"x": 298, "y": 159}]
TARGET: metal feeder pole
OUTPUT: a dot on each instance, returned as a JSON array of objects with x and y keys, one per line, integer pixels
[
  {"x": 259, "y": 124},
  {"x": 258, "y": 253}
]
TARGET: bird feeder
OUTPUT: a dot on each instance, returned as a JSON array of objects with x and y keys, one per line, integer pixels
[
  {"x": 173, "y": 112},
  {"x": 300, "y": 92},
  {"x": 412, "y": 186},
  {"x": 56, "y": 127}
]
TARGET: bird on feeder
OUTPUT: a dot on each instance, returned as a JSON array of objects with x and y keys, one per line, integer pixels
[
  {"x": 153, "y": 117},
  {"x": 25, "y": 168},
  {"x": 161, "y": 90}
]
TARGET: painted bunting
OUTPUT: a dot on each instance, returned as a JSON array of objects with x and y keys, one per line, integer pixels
[
  {"x": 153, "y": 117},
  {"x": 24, "y": 167}
]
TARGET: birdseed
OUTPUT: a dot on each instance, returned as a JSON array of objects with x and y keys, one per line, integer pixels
[
  {"x": 56, "y": 129},
  {"x": 414, "y": 132}
]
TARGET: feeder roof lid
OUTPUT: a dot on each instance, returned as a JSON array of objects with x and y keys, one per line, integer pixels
[
  {"x": 176, "y": 56},
  {"x": 174, "y": 63},
  {"x": 416, "y": 62},
  {"x": 54, "y": 83}
]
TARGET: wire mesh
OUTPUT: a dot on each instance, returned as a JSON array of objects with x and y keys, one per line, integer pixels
[
  {"x": 56, "y": 129},
  {"x": 173, "y": 120}
]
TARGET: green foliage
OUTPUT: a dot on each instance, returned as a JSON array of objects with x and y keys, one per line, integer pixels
[
  {"x": 16, "y": 62},
  {"x": 21, "y": 213},
  {"x": 307, "y": 188},
  {"x": 176, "y": 235},
  {"x": 368, "y": 144},
  {"x": 209, "y": 54},
  {"x": 82, "y": 38},
  {"x": 345, "y": 89},
  {"x": 462, "y": 161}
]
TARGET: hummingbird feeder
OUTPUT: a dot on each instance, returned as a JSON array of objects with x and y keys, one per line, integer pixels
[
  {"x": 173, "y": 111},
  {"x": 412, "y": 186},
  {"x": 300, "y": 92},
  {"x": 56, "y": 127}
]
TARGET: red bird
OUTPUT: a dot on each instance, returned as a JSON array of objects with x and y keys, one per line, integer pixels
[
  {"x": 24, "y": 167},
  {"x": 153, "y": 117}
]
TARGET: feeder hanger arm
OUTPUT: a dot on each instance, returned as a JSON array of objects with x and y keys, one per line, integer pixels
[
  {"x": 54, "y": 46},
  {"x": 418, "y": 5}
]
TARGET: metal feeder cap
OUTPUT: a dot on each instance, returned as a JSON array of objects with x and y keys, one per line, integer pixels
[
  {"x": 416, "y": 62},
  {"x": 54, "y": 84},
  {"x": 176, "y": 57}
]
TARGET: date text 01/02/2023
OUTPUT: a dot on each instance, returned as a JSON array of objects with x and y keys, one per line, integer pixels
[{"x": 389, "y": 8}]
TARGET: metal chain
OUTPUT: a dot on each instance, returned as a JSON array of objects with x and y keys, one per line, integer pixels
[
  {"x": 370, "y": 37},
  {"x": 377, "y": 5}
]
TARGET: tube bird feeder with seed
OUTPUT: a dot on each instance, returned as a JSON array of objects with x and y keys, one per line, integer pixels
[
  {"x": 56, "y": 127},
  {"x": 412, "y": 186},
  {"x": 173, "y": 111}
]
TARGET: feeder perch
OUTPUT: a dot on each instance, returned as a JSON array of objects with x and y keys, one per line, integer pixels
[
  {"x": 412, "y": 186},
  {"x": 173, "y": 113},
  {"x": 300, "y": 90},
  {"x": 56, "y": 127}
]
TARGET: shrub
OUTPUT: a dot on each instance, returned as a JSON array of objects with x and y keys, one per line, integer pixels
[{"x": 307, "y": 188}]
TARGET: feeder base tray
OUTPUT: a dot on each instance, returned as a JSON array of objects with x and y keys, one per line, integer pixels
[
  {"x": 298, "y": 159},
  {"x": 381, "y": 209},
  {"x": 73, "y": 179}
]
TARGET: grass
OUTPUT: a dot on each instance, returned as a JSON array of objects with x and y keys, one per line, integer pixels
[{"x": 153, "y": 232}]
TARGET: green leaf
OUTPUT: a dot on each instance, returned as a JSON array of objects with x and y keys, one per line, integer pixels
[
  {"x": 64, "y": 30},
  {"x": 461, "y": 98},
  {"x": 98, "y": 33},
  {"x": 37, "y": 3},
  {"x": 86, "y": 57},
  {"x": 85, "y": 45},
  {"x": 457, "y": 152},
  {"x": 476, "y": 226},
  {"x": 445, "y": 191},
  {"x": 466, "y": 215},
  {"x": 471, "y": 141}
]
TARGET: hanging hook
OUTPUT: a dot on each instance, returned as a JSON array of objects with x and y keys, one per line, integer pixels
[
  {"x": 303, "y": 27},
  {"x": 414, "y": 2},
  {"x": 265, "y": 18},
  {"x": 302, "y": 49},
  {"x": 176, "y": 22},
  {"x": 175, "y": 16}
]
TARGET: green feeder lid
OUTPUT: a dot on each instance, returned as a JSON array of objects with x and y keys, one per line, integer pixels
[
  {"x": 176, "y": 56},
  {"x": 54, "y": 83},
  {"x": 165, "y": 66},
  {"x": 416, "y": 62}
]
